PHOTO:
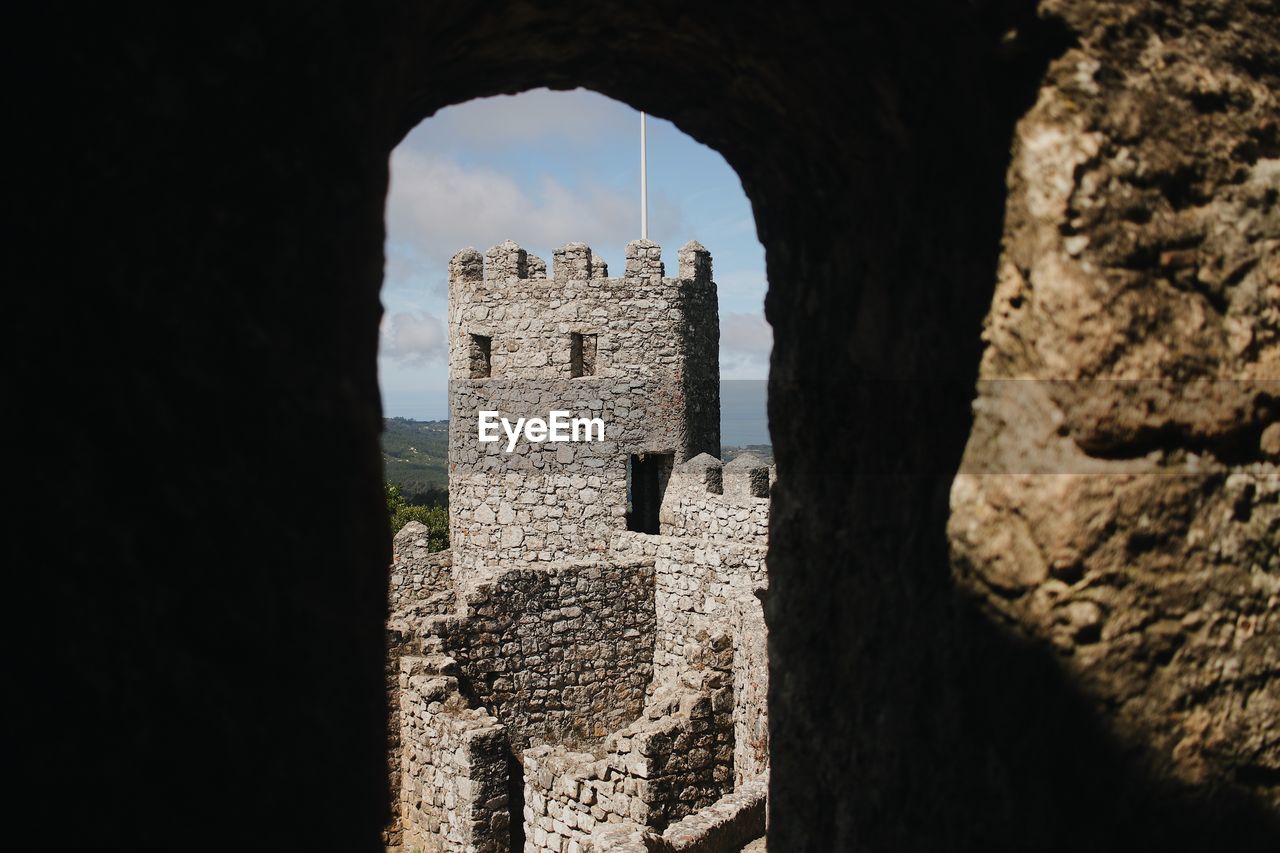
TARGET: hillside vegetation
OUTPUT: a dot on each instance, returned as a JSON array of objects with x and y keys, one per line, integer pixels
[{"x": 415, "y": 459}]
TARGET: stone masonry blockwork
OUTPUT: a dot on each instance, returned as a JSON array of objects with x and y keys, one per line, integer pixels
[
  {"x": 655, "y": 384},
  {"x": 583, "y": 675},
  {"x": 217, "y": 326}
]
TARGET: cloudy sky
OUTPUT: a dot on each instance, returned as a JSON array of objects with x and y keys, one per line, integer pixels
[{"x": 544, "y": 169}]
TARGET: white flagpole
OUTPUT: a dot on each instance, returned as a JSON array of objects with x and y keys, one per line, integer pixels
[{"x": 644, "y": 184}]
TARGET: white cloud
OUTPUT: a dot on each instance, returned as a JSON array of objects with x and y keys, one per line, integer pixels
[
  {"x": 413, "y": 338},
  {"x": 741, "y": 290},
  {"x": 544, "y": 169},
  {"x": 578, "y": 117},
  {"x": 437, "y": 207},
  {"x": 746, "y": 341}
]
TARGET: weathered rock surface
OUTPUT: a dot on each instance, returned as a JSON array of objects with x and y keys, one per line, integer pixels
[
  {"x": 217, "y": 657},
  {"x": 1118, "y": 499}
]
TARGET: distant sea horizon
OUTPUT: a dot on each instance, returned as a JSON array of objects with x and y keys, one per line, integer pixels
[{"x": 744, "y": 409}]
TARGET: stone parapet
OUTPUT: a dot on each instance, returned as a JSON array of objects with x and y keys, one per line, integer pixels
[{"x": 453, "y": 792}]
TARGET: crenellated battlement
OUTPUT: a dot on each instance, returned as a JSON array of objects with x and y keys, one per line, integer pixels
[
  {"x": 694, "y": 262},
  {"x": 645, "y": 342},
  {"x": 703, "y": 472},
  {"x": 604, "y": 591},
  {"x": 575, "y": 262},
  {"x": 746, "y": 476},
  {"x": 719, "y": 501}
]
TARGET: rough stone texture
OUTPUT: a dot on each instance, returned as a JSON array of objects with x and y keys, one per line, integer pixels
[
  {"x": 735, "y": 822},
  {"x": 655, "y": 640},
  {"x": 1048, "y": 694},
  {"x": 655, "y": 385},
  {"x": 421, "y": 582},
  {"x": 402, "y": 641},
  {"x": 554, "y": 652},
  {"x": 1124, "y": 510},
  {"x": 750, "y": 688},
  {"x": 704, "y": 727},
  {"x": 707, "y": 500},
  {"x": 453, "y": 796},
  {"x": 560, "y": 653},
  {"x": 698, "y": 583},
  {"x": 672, "y": 762},
  {"x": 726, "y": 827},
  {"x": 531, "y": 504},
  {"x": 563, "y": 653},
  {"x": 231, "y": 175}
]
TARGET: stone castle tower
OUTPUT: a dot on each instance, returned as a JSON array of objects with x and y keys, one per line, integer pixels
[
  {"x": 585, "y": 669},
  {"x": 639, "y": 352}
]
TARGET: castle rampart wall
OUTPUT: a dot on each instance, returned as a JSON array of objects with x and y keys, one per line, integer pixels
[
  {"x": 725, "y": 826},
  {"x": 698, "y": 583},
  {"x": 675, "y": 759},
  {"x": 421, "y": 581},
  {"x": 722, "y": 503},
  {"x": 624, "y": 669},
  {"x": 454, "y": 786},
  {"x": 560, "y": 653},
  {"x": 641, "y": 318},
  {"x": 710, "y": 580},
  {"x": 750, "y": 690}
]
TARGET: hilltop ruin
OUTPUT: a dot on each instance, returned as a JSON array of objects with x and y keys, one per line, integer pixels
[{"x": 585, "y": 667}]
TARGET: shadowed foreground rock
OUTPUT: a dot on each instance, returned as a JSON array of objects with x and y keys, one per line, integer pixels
[{"x": 197, "y": 231}]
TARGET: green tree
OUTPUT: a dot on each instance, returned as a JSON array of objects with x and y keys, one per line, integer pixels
[{"x": 436, "y": 518}]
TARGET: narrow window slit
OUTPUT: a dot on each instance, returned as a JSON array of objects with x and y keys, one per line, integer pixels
[
  {"x": 582, "y": 354},
  {"x": 481, "y": 363}
]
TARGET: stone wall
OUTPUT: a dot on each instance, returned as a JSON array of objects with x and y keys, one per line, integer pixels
[
  {"x": 402, "y": 640},
  {"x": 699, "y": 333},
  {"x": 641, "y": 319},
  {"x": 453, "y": 793},
  {"x": 652, "y": 376},
  {"x": 563, "y": 801},
  {"x": 1131, "y": 371},
  {"x": 873, "y": 147},
  {"x": 726, "y": 826},
  {"x": 697, "y": 584},
  {"x": 563, "y": 654},
  {"x": 420, "y": 581},
  {"x": 723, "y": 503},
  {"x": 560, "y": 653},
  {"x": 750, "y": 688},
  {"x": 676, "y": 759},
  {"x": 549, "y": 501}
]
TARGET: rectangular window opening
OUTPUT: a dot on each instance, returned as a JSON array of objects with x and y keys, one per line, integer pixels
[
  {"x": 647, "y": 475},
  {"x": 582, "y": 354},
  {"x": 481, "y": 364}
]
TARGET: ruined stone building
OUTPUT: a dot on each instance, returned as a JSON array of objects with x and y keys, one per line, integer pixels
[
  {"x": 1003, "y": 614},
  {"x": 586, "y": 666}
]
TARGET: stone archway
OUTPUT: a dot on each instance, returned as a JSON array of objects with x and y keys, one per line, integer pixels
[
  {"x": 235, "y": 184},
  {"x": 875, "y": 319}
]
